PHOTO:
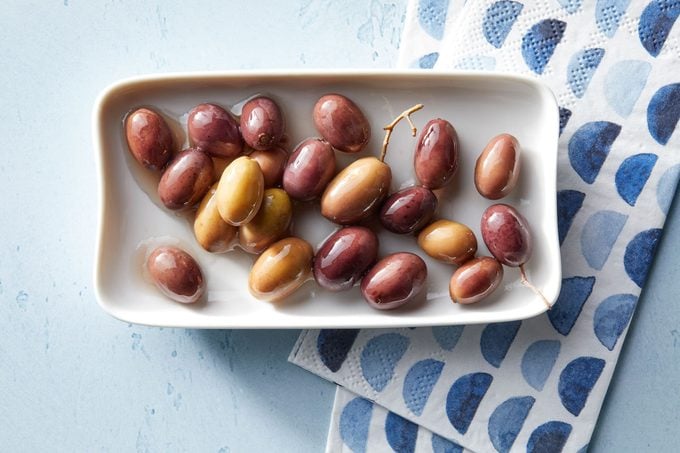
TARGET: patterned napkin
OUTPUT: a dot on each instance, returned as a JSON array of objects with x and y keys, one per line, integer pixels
[{"x": 535, "y": 385}]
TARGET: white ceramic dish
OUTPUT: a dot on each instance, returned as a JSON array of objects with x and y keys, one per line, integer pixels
[{"x": 479, "y": 105}]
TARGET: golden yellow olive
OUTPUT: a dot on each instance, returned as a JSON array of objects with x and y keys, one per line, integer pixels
[
  {"x": 211, "y": 231},
  {"x": 448, "y": 241},
  {"x": 281, "y": 269},
  {"x": 270, "y": 224},
  {"x": 239, "y": 191}
]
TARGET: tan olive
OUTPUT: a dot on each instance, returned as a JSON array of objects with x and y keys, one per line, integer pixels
[
  {"x": 475, "y": 280},
  {"x": 211, "y": 231},
  {"x": 448, "y": 241},
  {"x": 357, "y": 191},
  {"x": 281, "y": 269},
  {"x": 240, "y": 190},
  {"x": 497, "y": 168},
  {"x": 271, "y": 223}
]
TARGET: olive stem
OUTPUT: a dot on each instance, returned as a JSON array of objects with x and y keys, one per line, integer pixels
[
  {"x": 525, "y": 281},
  {"x": 390, "y": 127}
]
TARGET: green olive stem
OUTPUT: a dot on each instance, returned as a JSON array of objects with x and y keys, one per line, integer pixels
[
  {"x": 525, "y": 281},
  {"x": 390, "y": 127}
]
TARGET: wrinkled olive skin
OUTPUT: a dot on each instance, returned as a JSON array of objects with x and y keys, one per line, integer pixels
[
  {"x": 344, "y": 258},
  {"x": 214, "y": 130},
  {"x": 408, "y": 210},
  {"x": 475, "y": 280},
  {"x": 342, "y": 123},
  {"x": 186, "y": 179},
  {"x": 394, "y": 281},
  {"x": 272, "y": 162},
  {"x": 149, "y": 138},
  {"x": 357, "y": 191},
  {"x": 497, "y": 168},
  {"x": 448, "y": 241},
  {"x": 507, "y": 235},
  {"x": 271, "y": 223},
  {"x": 309, "y": 169},
  {"x": 240, "y": 190},
  {"x": 262, "y": 123},
  {"x": 437, "y": 154},
  {"x": 176, "y": 274},
  {"x": 281, "y": 269},
  {"x": 211, "y": 231}
]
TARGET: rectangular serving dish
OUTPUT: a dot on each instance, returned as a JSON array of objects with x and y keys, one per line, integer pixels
[{"x": 479, "y": 105}]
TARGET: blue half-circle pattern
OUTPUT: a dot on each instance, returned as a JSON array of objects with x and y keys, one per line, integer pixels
[
  {"x": 569, "y": 202},
  {"x": 419, "y": 382},
  {"x": 589, "y": 147},
  {"x": 608, "y": 15},
  {"x": 599, "y": 235},
  {"x": 639, "y": 253},
  {"x": 581, "y": 69},
  {"x": 498, "y": 21},
  {"x": 656, "y": 22},
  {"x": 443, "y": 445},
  {"x": 666, "y": 187},
  {"x": 464, "y": 397},
  {"x": 447, "y": 336},
  {"x": 577, "y": 380},
  {"x": 633, "y": 174},
  {"x": 663, "y": 112},
  {"x": 571, "y": 6},
  {"x": 506, "y": 421},
  {"x": 333, "y": 346},
  {"x": 538, "y": 361},
  {"x": 432, "y": 16},
  {"x": 428, "y": 61},
  {"x": 477, "y": 63},
  {"x": 566, "y": 310},
  {"x": 624, "y": 83},
  {"x": 401, "y": 433},
  {"x": 565, "y": 114},
  {"x": 539, "y": 43},
  {"x": 611, "y": 318},
  {"x": 380, "y": 356},
  {"x": 496, "y": 341},
  {"x": 549, "y": 437},
  {"x": 355, "y": 420}
]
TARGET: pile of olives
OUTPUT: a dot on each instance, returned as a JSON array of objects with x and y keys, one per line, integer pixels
[{"x": 242, "y": 185}]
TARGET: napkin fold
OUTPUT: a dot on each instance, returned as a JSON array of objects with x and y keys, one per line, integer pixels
[{"x": 538, "y": 384}]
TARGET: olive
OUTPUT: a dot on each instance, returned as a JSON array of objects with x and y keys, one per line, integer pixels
[
  {"x": 186, "y": 179},
  {"x": 448, "y": 241},
  {"x": 240, "y": 190},
  {"x": 506, "y": 234},
  {"x": 342, "y": 123},
  {"x": 272, "y": 162},
  {"x": 497, "y": 168},
  {"x": 149, "y": 138},
  {"x": 436, "y": 156},
  {"x": 270, "y": 224},
  {"x": 394, "y": 280},
  {"x": 357, "y": 191},
  {"x": 408, "y": 210},
  {"x": 211, "y": 231},
  {"x": 176, "y": 274},
  {"x": 262, "y": 123},
  {"x": 475, "y": 280},
  {"x": 281, "y": 269},
  {"x": 309, "y": 169},
  {"x": 344, "y": 258},
  {"x": 214, "y": 130}
]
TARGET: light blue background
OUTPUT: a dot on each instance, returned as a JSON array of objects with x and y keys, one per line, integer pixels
[{"x": 75, "y": 379}]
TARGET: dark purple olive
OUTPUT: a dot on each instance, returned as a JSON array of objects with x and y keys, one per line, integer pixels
[
  {"x": 262, "y": 123},
  {"x": 186, "y": 179},
  {"x": 394, "y": 280},
  {"x": 149, "y": 138},
  {"x": 436, "y": 157},
  {"x": 344, "y": 258},
  {"x": 506, "y": 234},
  {"x": 408, "y": 210},
  {"x": 475, "y": 280},
  {"x": 342, "y": 123},
  {"x": 176, "y": 274},
  {"x": 214, "y": 130},
  {"x": 309, "y": 169}
]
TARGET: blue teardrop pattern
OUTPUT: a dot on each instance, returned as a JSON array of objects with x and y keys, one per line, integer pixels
[
  {"x": 549, "y": 437},
  {"x": 333, "y": 345},
  {"x": 569, "y": 202},
  {"x": 355, "y": 420},
  {"x": 538, "y": 362},
  {"x": 639, "y": 253},
  {"x": 624, "y": 83},
  {"x": 663, "y": 112},
  {"x": 612, "y": 317},
  {"x": 443, "y": 445},
  {"x": 599, "y": 235},
  {"x": 432, "y": 16},
  {"x": 577, "y": 380},
  {"x": 507, "y": 420},
  {"x": 581, "y": 69},
  {"x": 589, "y": 147},
  {"x": 496, "y": 341},
  {"x": 428, "y": 61},
  {"x": 401, "y": 434},
  {"x": 379, "y": 358},
  {"x": 656, "y": 22},
  {"x": 633, "y": 174},
  {"x": 666, "y": 188},
  {"x": 608, "y": 15},
  {"x": 447, "y": 336},
  {"x": 419, "y": 382},
  {"x": 464, "y": 398},
  {"x": 565, "y": 114},
  {"x": 566, "y": 310},
  {"x": 498, "y": 21},
  {"x": 570, "y": 6},
  {"x": 539, "y": 43}
]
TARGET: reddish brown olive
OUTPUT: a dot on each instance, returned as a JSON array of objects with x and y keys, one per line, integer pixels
[
  {"x": 214, "y": 130},
  {"x": 342, "y": 123},
  {"x": 408, "y": 210},
  {"x": 186, "y": 180},
  {"x": 262, "y": 123},
  {"x": 272, "y": 162},
  {"x": 149, "y": 138},
  {"x": 394, "y": 281},
  {"x": 506, "y": 234},
  {"x": 497, "y": 167},
  {"x": 475, "y": 280},
  {"x": 309, "y": 169},
  {"x": 436, "y": 156},
  {"x": 176, "y": 274}
]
